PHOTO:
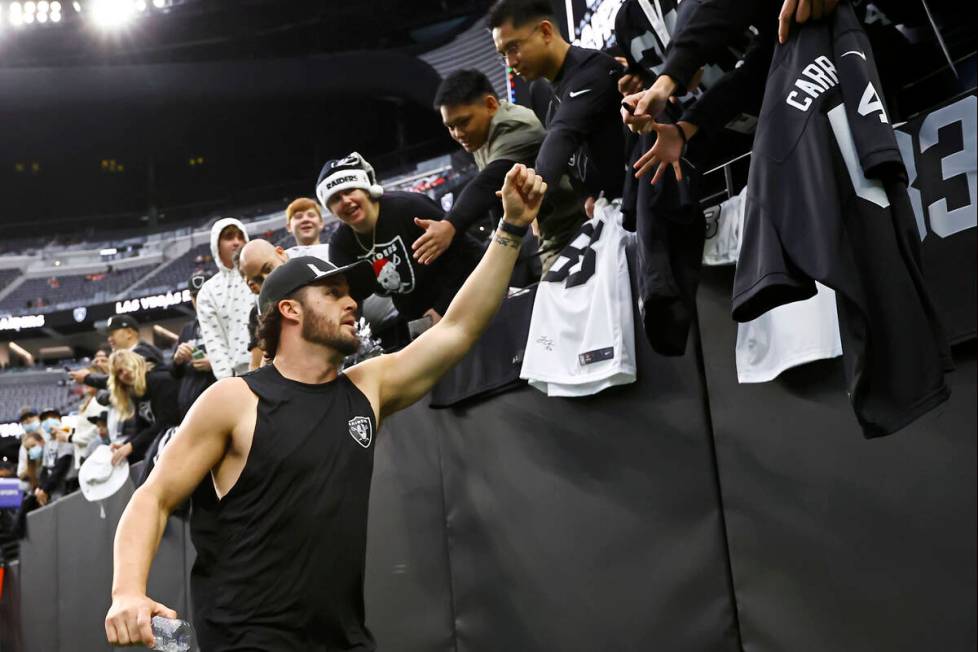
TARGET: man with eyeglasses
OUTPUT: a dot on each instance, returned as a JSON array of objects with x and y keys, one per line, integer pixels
[{"x": 584, "y": 133}]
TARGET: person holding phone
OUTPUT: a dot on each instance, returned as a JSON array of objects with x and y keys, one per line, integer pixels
[{"x": 191, "y": 367}]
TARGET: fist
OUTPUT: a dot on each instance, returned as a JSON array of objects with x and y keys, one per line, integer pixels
[
  {"x": 522, "y": 194},
  {"x": 129, "y": 621}
]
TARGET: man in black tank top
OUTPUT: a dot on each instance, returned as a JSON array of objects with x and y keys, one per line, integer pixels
[{"x": 289, "y": 448}]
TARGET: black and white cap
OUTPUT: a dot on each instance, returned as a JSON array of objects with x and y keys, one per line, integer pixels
[
  {"x": 348, "y": 172},
  {"x": 121, "y": 321},
  {"x": 305, "y": 270}
]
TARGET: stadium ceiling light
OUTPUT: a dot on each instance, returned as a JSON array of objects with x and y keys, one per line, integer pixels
[
  {"x": 56, "y": 17},
  {"x": 77, "y": 6},
  {"x": 28, "y": 18},
  {"x": 29, "y": 7},
  {"x": 42, "y": 18},
  {"x": 42, "y": 6},
  {"x": 159, "y": 4},
  {"x": 141, "y": 5},
  {"x": 110, "y": 14}
]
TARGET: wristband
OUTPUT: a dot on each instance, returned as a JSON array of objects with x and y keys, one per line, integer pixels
[
  {"x": 682, "y": 134},
  {"x": 512, "y": 229}
]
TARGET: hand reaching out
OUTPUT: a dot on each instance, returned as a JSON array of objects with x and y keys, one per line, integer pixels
[
  {"x": 437, "y": 238},
  {"x": 666, "y": 152},
  {"x": 801, "y": 11}
]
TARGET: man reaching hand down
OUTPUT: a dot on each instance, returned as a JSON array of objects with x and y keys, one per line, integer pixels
[{"x": 288, "y": 573}]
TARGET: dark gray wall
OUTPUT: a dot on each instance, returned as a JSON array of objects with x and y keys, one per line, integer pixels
[
  {"x": 66, "y": 567},
  {"x": 837, "y": 542}
]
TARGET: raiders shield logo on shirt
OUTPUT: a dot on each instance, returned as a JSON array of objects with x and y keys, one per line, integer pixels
[
  {"x": 361, "y": 430},
  {"x": 392, "y": 266}
]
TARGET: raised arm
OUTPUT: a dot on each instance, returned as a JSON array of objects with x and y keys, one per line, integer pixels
[
  {"x": 197, "y": 447},
  {"x": 392, "y": 382}
]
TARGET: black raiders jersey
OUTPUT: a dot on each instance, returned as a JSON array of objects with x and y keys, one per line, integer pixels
[{"x": 828, "y": 202}]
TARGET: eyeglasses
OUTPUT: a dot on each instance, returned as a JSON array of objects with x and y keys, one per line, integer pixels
[{"x": 512, "y": 49}]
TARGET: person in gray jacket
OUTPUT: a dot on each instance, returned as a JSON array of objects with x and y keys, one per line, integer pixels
[{"x": 498, "y": 134}]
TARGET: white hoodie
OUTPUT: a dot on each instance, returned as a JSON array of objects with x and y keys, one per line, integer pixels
[{"x": 223, "y": 305}]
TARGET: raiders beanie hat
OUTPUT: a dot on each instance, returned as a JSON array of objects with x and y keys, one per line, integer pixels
[{"x": 348, "y": 172}]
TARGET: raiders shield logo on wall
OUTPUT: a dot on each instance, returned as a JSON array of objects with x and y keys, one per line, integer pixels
[{"x": 361, "y": 430}]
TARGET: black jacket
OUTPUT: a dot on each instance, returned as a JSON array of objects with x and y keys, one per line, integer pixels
[
  {"x": 192, "y": 382},
  {"x": 585, "y": 137},
  {"x": 158, "y": 409}
]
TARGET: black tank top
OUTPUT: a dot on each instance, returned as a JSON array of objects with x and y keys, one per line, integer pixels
[{"x": 290, "y": 538}]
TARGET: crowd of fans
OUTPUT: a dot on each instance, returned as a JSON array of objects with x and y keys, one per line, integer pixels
[{"x": 135, "y": 396}]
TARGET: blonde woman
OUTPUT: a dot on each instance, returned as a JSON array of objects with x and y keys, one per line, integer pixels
[{"x": 137, "y": 387}]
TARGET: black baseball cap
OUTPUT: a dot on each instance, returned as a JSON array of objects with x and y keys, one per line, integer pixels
[
  {"x": 27, "y": 414},
  {"x": 121, "y": 321},
  {"x": 101, "y": 416},
  {"x": 306, "y": 270},
  {"x": 195, "y": 282}
]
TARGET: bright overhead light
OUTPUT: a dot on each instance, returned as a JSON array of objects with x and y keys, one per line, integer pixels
[
  {"x": 42, "y": 6},
  {"x": 159, "y": 3},
  {"x": 29, "y": 18},
  {"x": 77, "y": 6},
  {"x": 29, "y": 6},
  {"x": 55, "y": 6},
  {"x": 56, "y": 17},
  {"x": 42, "y": 18},
  {"x": 110, "y": 14},
  {"x": 141, "y": 5}
]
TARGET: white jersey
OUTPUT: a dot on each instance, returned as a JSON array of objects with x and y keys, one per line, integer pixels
[
  {"x": 788, "y": 336},
  {"x": 723, "y": 224},
  {"x": 582, "y": 335}
]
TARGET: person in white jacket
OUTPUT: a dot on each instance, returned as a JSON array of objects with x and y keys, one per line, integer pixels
[{"x": 224, "y": 302}]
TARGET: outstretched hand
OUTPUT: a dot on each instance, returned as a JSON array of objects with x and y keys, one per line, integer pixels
[
  {"x": 438, "y": 235},
  {"x": 801, "y": 11},
  {"x": 647, "y": 105},
  {"x": 665, "y": 153},
  {"x": 521, "y": 194}
]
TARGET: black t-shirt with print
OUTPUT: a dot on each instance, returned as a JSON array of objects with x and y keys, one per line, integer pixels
[{"x": 414, "y": 288}]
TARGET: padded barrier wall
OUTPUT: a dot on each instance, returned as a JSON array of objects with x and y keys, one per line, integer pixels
[
  {"x": 527, "y": 523},
  {"x": 838, "y": 542}
]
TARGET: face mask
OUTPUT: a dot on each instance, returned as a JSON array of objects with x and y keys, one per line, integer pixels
[
  {"x": 50, "y": 424},
  {"x": 31, "y": 426},
  {"x": 34, "y": 454}
]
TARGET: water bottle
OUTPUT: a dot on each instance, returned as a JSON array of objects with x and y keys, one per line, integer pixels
[{"x": 173, "y": 635}]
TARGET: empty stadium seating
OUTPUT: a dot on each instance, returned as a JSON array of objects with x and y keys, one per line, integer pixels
[
  {"x": 62, "y": 291},
  {"x": 35, "y": 390},
  {"x": 6, "y": 276}
]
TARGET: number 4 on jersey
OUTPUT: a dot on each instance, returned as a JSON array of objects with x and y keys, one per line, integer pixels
[{"x": 871, "y": 103}]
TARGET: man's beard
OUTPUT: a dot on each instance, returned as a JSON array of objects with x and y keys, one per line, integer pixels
[{"x": 318, "y": 330}]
